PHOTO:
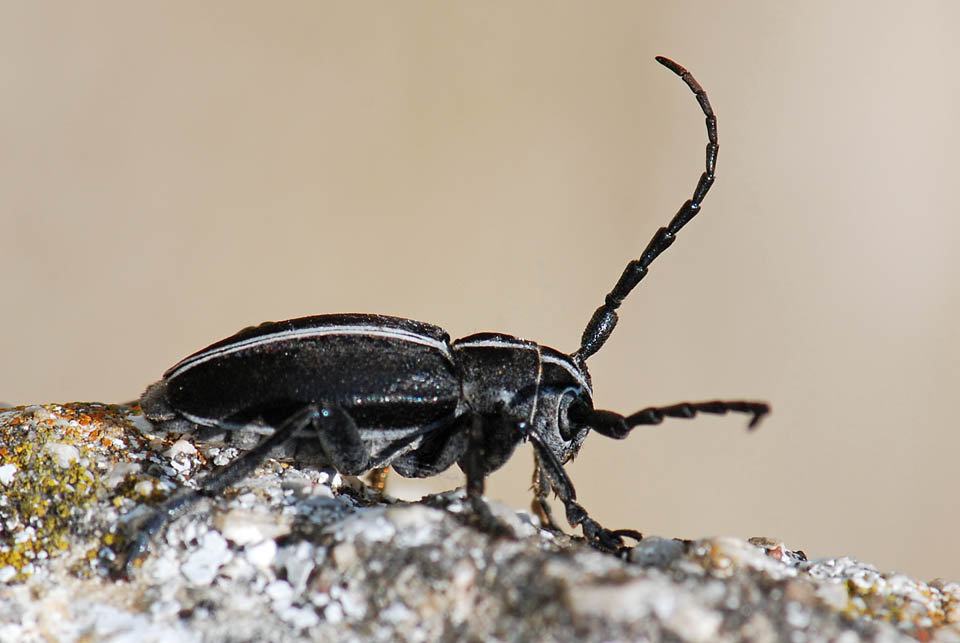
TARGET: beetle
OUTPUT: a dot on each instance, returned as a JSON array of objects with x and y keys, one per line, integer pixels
[{"x": 361, "y": 392}]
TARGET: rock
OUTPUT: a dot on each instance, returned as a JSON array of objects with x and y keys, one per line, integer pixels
[{"x": 303, "y": 554}]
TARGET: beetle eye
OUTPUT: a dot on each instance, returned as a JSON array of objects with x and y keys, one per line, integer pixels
[{"x": 570, "y": 413}]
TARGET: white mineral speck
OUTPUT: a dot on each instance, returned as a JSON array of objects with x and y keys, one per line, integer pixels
[
  {"x": 797, "y": 615},
  {"x": 165, "y": 568},
  {"x": 695, "y": 623},
  {"x": 179, "y": 467},
  {"x": 262, "y": 554},
  {"x": 320, "y": 491},
  {"x": 333, "y": 613},
  {"x": 371, "y": 526},
  {"x": 165, "y": 609},
  {"x": 40, "y": 413},
  {"x": 224, "y": 456},
  {"x": 202, "y": 565},
  {"x": 524, "y": 524},
  {"x": 463, "y": 575},
  {"x": 415, "y": 525},
  {"x": 633, "y": 600},
  {"x": 834, "y": 594},
  {"x": 7, "y": 473},
  {"x": 864, "y": 579},
  {"x": 144, "y": 487},
  {"x": 141, "y": 423},
  {"x": 238, "y": 527},
  {"x": 62, "y": 453},
  {"x": 180, "y": 447},
  {"x": 115, "y": 624},
  {"x": 353, "y": 605},
  {"x": 299, "y": 617},
  {"x": 848, "y": 637},
  {"x": 396, "y": 613},
  {"x": 297, "y": 560},
  {"x": 344, "y": 555},
  {"x": 25, "y": 535},
  {"x": 7, "y": 573},
  {"x": 119, "y": 472},
  {"x": 280, "y": 592}
]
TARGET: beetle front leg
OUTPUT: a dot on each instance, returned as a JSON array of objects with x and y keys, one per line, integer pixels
[
  {"x": 541, "y": 491},
  {"x": 610, "y": 540}
]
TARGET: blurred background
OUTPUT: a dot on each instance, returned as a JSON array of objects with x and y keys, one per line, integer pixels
[{"x": 172, "y": 173}]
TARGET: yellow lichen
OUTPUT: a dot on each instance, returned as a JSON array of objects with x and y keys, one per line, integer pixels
[{"x": 46, "y": 498}]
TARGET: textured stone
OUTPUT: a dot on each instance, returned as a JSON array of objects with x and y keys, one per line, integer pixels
[{"x": 301, "y": 554}]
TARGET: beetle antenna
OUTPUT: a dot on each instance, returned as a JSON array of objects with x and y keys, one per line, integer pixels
[{"x": 604, "y": 320}]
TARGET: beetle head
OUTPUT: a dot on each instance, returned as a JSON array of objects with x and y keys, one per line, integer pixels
[{"x": 564, "y": 394}]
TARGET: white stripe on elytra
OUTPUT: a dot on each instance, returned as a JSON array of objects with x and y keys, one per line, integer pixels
[{"x": 308, "y": 333}]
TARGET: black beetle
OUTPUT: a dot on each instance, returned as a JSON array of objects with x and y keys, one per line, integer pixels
[{"x": 362, "y": 392}]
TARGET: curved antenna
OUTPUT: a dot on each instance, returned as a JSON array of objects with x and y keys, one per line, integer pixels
[{"x": 604, "y": 320}]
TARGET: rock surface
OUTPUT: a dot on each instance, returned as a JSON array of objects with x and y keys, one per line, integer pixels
[{"x": 303, "y": 554}]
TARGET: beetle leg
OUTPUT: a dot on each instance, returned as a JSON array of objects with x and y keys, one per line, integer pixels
[
  {"x": 441, "y": 447},
  {"x": 576, "y": 515},
  {"x": 541, "y": 491},
  {"x": 214, "y": 483},
  {"x": 617, "y": 426},
  {"x": 474, "y": 458},
  {"x": 473, "y": 464},
  {"x": 340, "y": 440}
]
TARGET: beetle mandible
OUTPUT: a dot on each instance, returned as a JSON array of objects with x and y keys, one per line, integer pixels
[{"x": 362, "y": 392}]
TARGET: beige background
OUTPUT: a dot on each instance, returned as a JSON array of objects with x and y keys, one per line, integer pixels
[{"x": 171, "y": 174}]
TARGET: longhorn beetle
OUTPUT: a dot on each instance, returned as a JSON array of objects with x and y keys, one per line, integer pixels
[{"x": 362, "y": 392}]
